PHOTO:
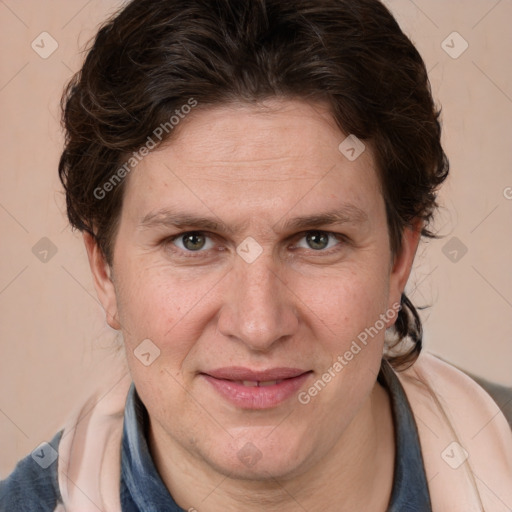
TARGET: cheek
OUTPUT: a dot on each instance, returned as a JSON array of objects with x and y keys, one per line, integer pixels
[
  {"x": 156, "y": 303},
  {"x": 347, "y": 313},
  {"x": 345, "y": 304}
]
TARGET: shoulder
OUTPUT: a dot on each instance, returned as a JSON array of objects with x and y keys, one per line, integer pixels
[
  {"x": 33, "y": 485},
  {"x": 466, "y": 440},
  {"x": 465, "y": 404},
  {"x": 462, "y": 396},
  {"x": 502, "y": 395}
]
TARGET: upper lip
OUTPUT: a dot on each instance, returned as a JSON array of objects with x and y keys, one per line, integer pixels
[{"x": 240, "y": 373}]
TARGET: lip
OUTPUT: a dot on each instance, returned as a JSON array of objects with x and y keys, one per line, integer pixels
[{"x": 228, "y": 383}]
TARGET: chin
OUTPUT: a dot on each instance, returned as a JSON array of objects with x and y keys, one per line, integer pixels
[{"x": 258, "y": 458}]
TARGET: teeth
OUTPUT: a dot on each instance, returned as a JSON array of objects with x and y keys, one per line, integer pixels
[
  {"x": 268, "y": 383},
  {"x": 250, "y": 383},
  {"x": 263, "y": 383}
]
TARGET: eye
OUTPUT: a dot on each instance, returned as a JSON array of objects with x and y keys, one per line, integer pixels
[
  {"x": 319, "y": 240},
  {"x": 193, "y": 241}
]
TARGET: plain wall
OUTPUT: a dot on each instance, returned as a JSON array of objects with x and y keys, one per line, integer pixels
[{"x": 55, "y": 343}]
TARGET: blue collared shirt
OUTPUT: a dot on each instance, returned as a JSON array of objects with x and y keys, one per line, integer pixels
[{"x": 142, "y": 489}]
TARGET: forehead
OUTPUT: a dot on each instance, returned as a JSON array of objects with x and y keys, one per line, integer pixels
[{"x": 253, "y": 158}]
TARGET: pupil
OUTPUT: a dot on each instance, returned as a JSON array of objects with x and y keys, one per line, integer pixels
[
  {"x": 317, "y": 240},
  {"x": 193, "y": 241}
]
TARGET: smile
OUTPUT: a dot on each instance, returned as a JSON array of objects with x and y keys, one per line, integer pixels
[{"x": 246, "y": 391}]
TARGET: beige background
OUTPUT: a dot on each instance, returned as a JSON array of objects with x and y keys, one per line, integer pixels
[{"x": 54, "y": 340}]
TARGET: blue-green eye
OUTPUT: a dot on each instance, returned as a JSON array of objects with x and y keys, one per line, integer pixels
[
  {"x": 193, "y": 241},
  {"x": 319, "y": 240}
]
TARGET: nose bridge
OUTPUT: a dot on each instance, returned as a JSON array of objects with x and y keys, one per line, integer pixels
[
  {"x": 258, "y": 284},
  {"x": 260, "y": 311}
]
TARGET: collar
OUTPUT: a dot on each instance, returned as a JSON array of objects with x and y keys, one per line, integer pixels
[{"x": 142, "y": 489}]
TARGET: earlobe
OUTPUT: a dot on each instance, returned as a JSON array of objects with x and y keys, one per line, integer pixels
[
  {"x": 102, "y": 278},
  {"x": 403, "y": 262}
]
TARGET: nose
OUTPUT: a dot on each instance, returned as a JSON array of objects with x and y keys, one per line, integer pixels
[{"x": 258, "y": 308}]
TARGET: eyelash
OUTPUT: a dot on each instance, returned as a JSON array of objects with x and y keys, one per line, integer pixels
[{"x": 194, "y": 254}]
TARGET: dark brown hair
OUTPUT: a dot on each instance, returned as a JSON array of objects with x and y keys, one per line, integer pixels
[{"x": 153, "y": 56}]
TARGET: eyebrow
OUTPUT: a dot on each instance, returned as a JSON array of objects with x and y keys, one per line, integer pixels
[{"x": 347, "y": 213}]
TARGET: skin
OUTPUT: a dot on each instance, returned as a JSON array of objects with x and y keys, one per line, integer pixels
[{"x": 256, "y": 167}]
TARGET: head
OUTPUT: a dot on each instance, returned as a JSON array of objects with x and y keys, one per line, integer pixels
[{"x": 252, "y": 179}]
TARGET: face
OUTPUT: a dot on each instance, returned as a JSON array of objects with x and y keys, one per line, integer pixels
[{"x": 253, "y": 255}]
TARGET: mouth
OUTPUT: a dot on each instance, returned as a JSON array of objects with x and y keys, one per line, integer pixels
[
  {"x": 256, "y": 383},
  {"x": 250, "y": 389}
]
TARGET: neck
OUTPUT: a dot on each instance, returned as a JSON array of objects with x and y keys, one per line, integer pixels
[{"x": 357, "y": 473}]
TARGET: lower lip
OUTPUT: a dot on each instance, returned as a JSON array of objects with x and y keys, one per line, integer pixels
[{"x": 255, "y": 397}]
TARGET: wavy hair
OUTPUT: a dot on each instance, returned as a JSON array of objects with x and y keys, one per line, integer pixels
[{"x": 152, "y": 56}]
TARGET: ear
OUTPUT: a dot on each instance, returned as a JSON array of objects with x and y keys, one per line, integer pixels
[
  {"x": 402, "y": 263},
  {"x": 102, "y": 277}
]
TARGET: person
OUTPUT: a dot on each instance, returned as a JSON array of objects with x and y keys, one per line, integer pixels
[{"x": 252, "y": 179}]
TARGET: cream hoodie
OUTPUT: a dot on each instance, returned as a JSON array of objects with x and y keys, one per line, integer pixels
[{"x": 466, "y": 443}]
